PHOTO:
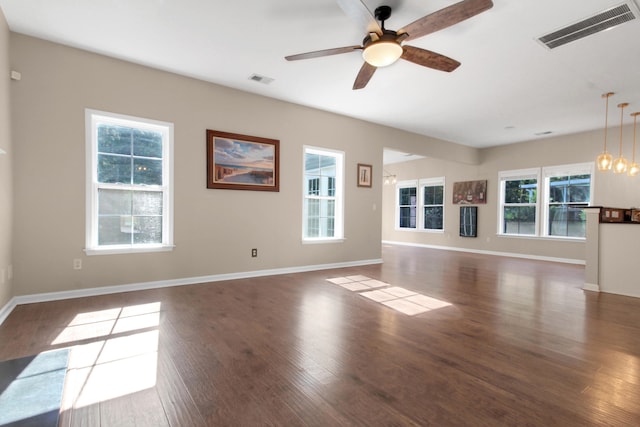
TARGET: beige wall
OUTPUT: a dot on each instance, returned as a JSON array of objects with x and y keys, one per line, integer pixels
[
  {"x": 214, "y": 229},
  {"x": 609, "y": 190},
  {"x": 6, "y": 200}
]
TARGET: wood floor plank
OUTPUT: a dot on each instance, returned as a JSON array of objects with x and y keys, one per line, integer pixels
[
  {"x": 142, "y": 408},
  {"x": 179, "y": 407}
]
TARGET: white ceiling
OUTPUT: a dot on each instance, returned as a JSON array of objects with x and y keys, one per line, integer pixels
[{"x": 508, "y": 88}]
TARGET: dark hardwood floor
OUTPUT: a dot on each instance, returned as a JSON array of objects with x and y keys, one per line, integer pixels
[{"x": 520, "y": 344}]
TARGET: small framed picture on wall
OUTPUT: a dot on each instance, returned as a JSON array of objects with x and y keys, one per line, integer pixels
[{"x": 364, "y": 175}]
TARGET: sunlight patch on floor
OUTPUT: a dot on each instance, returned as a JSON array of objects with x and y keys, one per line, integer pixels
[
  {"x": 115, "y": 353},
  {"x": 400, "y": 299}
]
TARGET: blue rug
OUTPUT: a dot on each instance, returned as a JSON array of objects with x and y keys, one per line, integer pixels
[{"x": 31, "y": 389}]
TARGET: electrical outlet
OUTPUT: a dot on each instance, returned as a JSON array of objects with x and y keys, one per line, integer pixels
[
  {"x": 77, "y": 264},
  {"x": 254, "y": 253}
]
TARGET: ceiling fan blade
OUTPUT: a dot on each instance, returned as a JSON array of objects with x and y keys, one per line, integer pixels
[
  {"x": 445, "y": 18},
  {"x": 320, "y": 53},
  {"x": 426, "y": 58},
  {"x": 358, "y": 11},
  {"x": 364, "y": 75}
]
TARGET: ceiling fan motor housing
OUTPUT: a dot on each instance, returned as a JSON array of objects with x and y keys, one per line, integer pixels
[
  {"x": 386, "y": 36},
  {"x": 382, "y": 13}
]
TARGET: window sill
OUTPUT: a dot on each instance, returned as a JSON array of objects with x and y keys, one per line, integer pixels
[
  {"x": 551, "y": 238},
  {"x": 128, "y": 250},
  {"x": 322, "y": 241},
  {"x": 422, "y": 230}
]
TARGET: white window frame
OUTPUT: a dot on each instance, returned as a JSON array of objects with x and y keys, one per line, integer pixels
[
  {"x": 92, "y": 119},
  {"x": 431, "y": 182},
  {"x": 543, "y": 176},
  {"x": 514, "y": 175},
  {"x": 419, "y": 185},
  {"x": 407, "y": 184},
  {"x": 560, "y": 170},
  {"x": 338, "y": 197}
]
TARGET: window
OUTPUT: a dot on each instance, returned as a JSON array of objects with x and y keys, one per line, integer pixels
[
  {"x": 519, "y": 202},
  {"x": 568, "y": 192},
  {"x": 322, "y": 209},
  {"x": 407, "y": 206},
  {"x": 129, "y": 184},
  {"x": 432, "y": 204},
  {"x": 565, "y": 192},
  {"x": 420, "y": 205}
]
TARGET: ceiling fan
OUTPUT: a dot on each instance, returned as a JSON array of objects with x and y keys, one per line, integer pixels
[{"x": 382, "y": 47}]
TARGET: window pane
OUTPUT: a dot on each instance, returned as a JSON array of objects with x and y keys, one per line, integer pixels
[
  {"x": 328, "y": 163},
  {"x": 147, "y": 203},
  {"x": 327, "y": 186},
  {"x": 114, "y": 202},
  {"x": 147, "y": 144},
  {"x": 312, "y": 209},
  {"x": 114, "y": 139},
  {"x": 114, "y": 230},
  {"x": 320, "y": 218},
  {"x": 407, "y": 196},
  {"x": 114, "y": 169},
  {"x": 313, "y": 227},
  {"x": 330, "y": 206},
  {"x": 567, "y": 220},
  {"x": 575, "y": 188},
  {"x": 327, "y": 214},
  {"x": 558, "y": 189},
  {"x": 579, "y": 190},
  {"x": 320, "y": 173},
  {"x": 408, "y": 217},
  {"x": 313, "y": 186},
  {"x": 331, "y": 185},
  {"x": 311, "y": 162},
  {"x": 147, "y": 171},
  {"x": 438, "y": 197},
  {"x": 519, "y": 220},
  {"x": 520, "y": 191},
  {"x": 147, "y": 229},
  {"x": 433, "y": 218},
  {"x": 433, "y": 195},
  {"x": 326, "y": 227},
  {"x": 579, "y": 194}
]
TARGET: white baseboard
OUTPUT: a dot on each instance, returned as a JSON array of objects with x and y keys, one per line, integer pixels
[
  {"x": 479, "y": 251},
  {"x": 591, "y": 287},
  {"x": 7, "y": 309},
  {"x": 105, "y": 290}
]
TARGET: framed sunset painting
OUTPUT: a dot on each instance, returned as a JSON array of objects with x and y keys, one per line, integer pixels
[{"x": 242, "y": 162}]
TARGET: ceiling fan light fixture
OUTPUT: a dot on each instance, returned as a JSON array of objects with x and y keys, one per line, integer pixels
[{"x": 382, "y": 53}]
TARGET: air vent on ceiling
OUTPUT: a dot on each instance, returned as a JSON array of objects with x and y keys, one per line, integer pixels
[
  {"x": 260, "y": 79},
  {"x": 594, "y": 24}
]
